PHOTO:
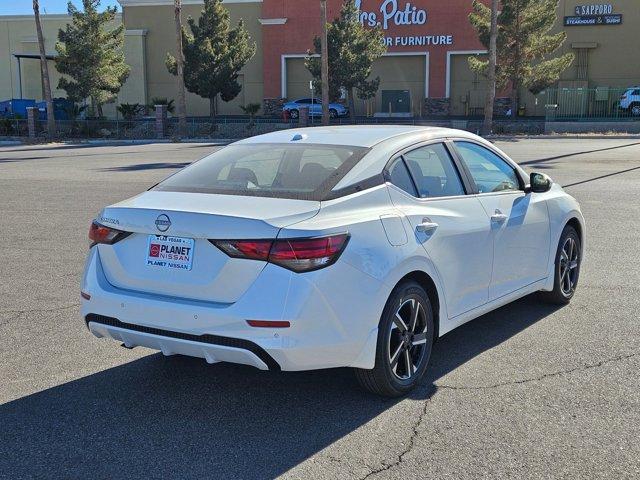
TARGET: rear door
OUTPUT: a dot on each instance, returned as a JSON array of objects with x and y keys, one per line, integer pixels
[
  {"x": 519, "y": 221},
  {"x": 451, "y": 226}
]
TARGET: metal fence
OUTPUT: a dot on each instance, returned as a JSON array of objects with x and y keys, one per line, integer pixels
[
  {"x": 205, "y": 128},
  {"x": 587, "y": 104},
  {"x": 13, "y": 127}
]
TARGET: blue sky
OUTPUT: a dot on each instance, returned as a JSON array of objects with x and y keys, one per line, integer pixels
[{"x": 22, "y": 7}]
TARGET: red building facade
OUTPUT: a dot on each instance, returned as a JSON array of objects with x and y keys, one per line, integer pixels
[{"x": 436, "y": 33}]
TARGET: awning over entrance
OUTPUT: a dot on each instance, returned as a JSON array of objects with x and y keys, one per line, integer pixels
[{"x": 32, "y": 56}]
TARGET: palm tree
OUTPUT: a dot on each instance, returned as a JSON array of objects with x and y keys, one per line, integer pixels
[
  {"x": 46, "y": 84},
  {"x": 182, "y": 108},
  {"x": 487, "y": 126}
]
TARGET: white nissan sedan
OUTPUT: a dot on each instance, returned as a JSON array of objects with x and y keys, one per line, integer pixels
[{"x": 330, "y": 247}]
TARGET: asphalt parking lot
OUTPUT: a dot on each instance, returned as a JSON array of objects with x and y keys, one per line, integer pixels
[{"x": 528, "y": 391}]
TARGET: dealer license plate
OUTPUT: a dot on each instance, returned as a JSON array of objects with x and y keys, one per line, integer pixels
[{"x": 170, "y": 252}]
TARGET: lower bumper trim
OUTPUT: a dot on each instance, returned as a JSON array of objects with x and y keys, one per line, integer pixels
[{"x": 206, "y": 339}]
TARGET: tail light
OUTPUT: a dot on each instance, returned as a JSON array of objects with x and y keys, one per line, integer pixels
[
  {"x": 99, "y": 233},
  {"x": 296, "y": 254}
]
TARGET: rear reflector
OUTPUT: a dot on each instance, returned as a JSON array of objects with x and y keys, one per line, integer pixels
[
  {"x": 99, "y": 233},
  {"x": 268, "y": 323},
  {"x": 296, "y": 254}
]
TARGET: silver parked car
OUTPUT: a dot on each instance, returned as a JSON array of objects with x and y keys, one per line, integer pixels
[{"x": 315, "y": 108}]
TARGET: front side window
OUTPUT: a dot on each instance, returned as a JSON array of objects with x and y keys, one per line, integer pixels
[
  {"x": 269, "y": 170},
  {"x": 433, "y": 171},
  {"x": 489, "y": 172}
]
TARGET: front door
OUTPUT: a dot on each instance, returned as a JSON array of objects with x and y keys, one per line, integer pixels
[
  {"x": 519, "y": 221},
  {"x": 452, "y": 227}
]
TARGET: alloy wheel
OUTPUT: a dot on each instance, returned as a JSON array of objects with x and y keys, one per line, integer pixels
[
  {"x": 569, "y": 266},
  {"x": 407, "y": 339}
]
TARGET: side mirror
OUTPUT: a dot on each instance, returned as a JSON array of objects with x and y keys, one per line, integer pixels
[{"x": 539, "y": 183}]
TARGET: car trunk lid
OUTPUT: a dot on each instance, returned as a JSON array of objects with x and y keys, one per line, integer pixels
[{"x": 181, "y": 225}]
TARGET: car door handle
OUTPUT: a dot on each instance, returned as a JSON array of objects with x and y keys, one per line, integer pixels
[
  {"x": 499, "y": 217},
  {"x": 427, "y": 227}
]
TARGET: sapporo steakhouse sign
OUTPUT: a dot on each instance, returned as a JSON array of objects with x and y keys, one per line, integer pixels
[
  {"x": 595, "y": 14},
  {"x": 392, "y": 14}
]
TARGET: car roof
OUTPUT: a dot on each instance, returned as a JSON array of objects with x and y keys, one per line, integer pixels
[{"x": 352, "y": 135}]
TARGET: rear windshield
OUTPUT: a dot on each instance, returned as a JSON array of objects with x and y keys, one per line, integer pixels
[{"x": 305, "y": 172}]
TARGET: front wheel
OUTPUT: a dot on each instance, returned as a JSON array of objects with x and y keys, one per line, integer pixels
[
  {"x": 333, "y": 113},
  {"x": 567, "y": 268},
  {"x": 635, "y": 110},
  {"x": 405, "y": 340},
  {"x": 294, "y": 114}
]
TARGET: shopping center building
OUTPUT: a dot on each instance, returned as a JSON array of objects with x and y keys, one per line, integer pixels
[{"x": 424, "y": 72}]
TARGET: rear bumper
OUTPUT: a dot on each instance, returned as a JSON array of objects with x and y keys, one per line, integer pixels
[
  {"x": 326, "y": 330},
  {"x": 212, "y": 348}
]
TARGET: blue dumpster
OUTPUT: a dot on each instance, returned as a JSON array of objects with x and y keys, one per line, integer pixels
[
  {"x": 60, "y": 108},
  {"x": 16, "y": 107}
]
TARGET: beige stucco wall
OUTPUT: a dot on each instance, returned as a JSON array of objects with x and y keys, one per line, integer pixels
[
  {"x": 18, "y": 35},
  {"x": 612, "y": 63},
  {"x": 159, "y": 22}
]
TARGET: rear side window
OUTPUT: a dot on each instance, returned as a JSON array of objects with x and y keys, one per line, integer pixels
[
  {"x": 305, "y": 172},
  {"x": 489, "y": 172},
  {"x": 399, "y": 176},
  {"x": 433, "y": 171}
]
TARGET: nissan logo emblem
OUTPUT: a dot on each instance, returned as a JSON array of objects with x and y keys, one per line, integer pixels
[{"x": 163, "y": 223}]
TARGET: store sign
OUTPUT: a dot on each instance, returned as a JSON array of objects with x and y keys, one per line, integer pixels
[
  {"x": 390, "y": 13},
  {"x": 596, "y": 14},
  {"x": 601, "y": 9},
  {"x": 394, "y": 13}
]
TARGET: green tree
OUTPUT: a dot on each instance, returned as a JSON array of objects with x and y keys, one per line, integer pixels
[
  {"x": 171, "y": 108},
  {"x": 130, "y": 110},
  {"x": 524, "y": 45},
  {"x": 352, "y": 50},
  {"x": 91, "y": 56},
  {"x": 214, "y": 54},
  {"x": 251, "y": 110}
]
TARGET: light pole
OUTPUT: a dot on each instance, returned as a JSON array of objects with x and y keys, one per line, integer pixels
[{"x": 324, "y": 61}]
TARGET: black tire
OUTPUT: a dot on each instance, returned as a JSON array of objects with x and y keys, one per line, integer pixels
[
  {"x": 634, "y": 109},
  {"x": 294, "y": 114},
  {"x": 385, "y": 379},
  {"x": 333, "y": 113},
  {"x": 566, "y": 281}
]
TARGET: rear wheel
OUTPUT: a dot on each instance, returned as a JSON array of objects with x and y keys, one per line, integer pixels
[
  {"x": 567, "y": 268},
  {"x": 405, "y": 340},
  {"x": 294, "y": 113},
  {"x": 635, "y": 110},
  {"x": 333, "y": 113}
]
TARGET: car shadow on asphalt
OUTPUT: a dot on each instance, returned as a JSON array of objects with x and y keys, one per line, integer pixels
[
  {"x": 146, "y": 166},
  {"x": 178, "y": 417}
]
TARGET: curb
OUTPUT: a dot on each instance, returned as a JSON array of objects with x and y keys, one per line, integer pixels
[{"x": 560, "y": 136}]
